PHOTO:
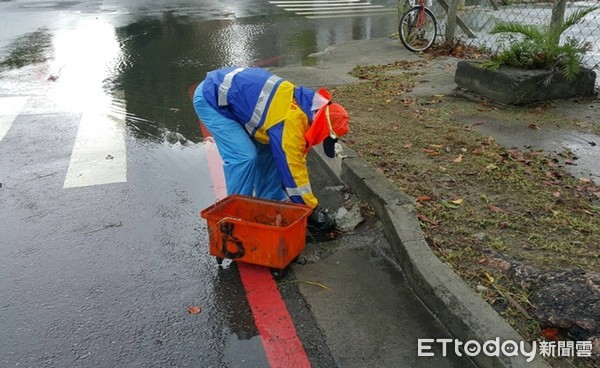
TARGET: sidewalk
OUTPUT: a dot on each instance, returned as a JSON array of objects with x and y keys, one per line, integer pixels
[
  {"x": 458, "y": 308},
  {"x": 437, "y": 78}
]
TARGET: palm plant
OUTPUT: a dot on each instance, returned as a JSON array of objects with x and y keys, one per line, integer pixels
[{"x": 540, "y": 47}]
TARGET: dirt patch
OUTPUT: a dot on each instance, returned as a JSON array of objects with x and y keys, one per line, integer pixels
[{"x": 484, "y": 209}]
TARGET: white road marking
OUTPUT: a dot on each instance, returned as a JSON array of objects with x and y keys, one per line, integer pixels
[
  {"x": 294, "y": 6},
  {"x": 346, "y": 13},
  {"x": 333, "y": 8},
  {"x": 336, "y": 7},
  {"x": 10, "y": 107},
  {"x": 99, "y": 153},
  {"x": 326, "y": 2}
]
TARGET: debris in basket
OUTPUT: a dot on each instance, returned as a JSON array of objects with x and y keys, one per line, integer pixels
[{"x": 277, "y": 221}]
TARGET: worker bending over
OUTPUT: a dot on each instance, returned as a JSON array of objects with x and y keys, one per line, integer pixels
[{"x": 263, "y": 127}]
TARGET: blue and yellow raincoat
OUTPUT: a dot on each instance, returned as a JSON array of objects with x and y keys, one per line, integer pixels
[{"x": 259, "y": 122}]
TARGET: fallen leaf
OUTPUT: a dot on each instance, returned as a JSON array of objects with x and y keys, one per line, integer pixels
[
  {"x": 407, "y": 145},
  {"x": 430, "y": 152},
  {"x": 448, "y": 204},
  {"x": 424, "y": 218},
  {"x": 534, "y": 127},
  {"x": 458, "y": 159},
  {"x": 457, "y": 201},
  {"x": 556, "y": 194},
  {"x": 551, "y": 333},
  {"x": 194, "y": 310},
  {"x": 495, "y": 208},
  {"x": 517, "y": 155},
  {"x": 423, "y": 198}
]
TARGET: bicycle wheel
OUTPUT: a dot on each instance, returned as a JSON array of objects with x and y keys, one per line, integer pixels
[{"x": 417, "y": 29}]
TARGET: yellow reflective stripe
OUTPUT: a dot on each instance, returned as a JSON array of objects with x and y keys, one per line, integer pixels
[
  {"x": 226, "y": 85},
  {"x": 261, "y": 104},
  {"x": 305, "y": 189}
]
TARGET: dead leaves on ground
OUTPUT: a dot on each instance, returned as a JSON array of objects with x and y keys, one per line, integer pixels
[
  {"x": 551, "y": 168},
  {"x": 426, "y": 219},
  {"x": 495, "y": 209}
]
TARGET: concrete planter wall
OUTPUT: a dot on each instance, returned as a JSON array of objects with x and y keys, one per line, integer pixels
[{"x": 519, "y": 86}]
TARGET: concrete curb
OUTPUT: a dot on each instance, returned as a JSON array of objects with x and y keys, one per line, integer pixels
[{"x": 466, "y": 315}]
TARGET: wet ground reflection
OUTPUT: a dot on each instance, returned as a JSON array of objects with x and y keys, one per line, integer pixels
[
  {"x": 146, "y": 59},
  {"x": 163, "y": 58}
]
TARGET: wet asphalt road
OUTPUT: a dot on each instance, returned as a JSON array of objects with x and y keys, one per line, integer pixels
[{"x": 102, "y": 274}]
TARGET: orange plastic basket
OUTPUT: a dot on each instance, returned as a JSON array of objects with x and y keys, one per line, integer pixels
[{"x": 252, "y": 230}]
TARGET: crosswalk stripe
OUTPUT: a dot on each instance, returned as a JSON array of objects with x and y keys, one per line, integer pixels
[
  {"x": 99, "y": 153},
  {"x": 336, "y": 15},
  {"x": 340, "y": 7},
  {"x": 332, "y": 9},
  {"x": 343, "y": 12},
  {"x": 312, "y": 2},
  {"x": 9, "y": 110},
  {"x": 292, "y": 6}
]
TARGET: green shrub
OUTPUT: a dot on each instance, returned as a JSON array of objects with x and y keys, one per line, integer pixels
[{"x": 541, "y": 47}]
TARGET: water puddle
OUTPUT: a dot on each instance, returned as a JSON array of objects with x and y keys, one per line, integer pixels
[{"x": 585, "y": 146}]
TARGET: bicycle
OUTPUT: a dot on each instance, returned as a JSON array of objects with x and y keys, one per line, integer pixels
[{"x": 418, "y": 27}]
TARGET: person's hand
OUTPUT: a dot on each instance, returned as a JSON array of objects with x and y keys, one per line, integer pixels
[{"x": 321, "y": 220}]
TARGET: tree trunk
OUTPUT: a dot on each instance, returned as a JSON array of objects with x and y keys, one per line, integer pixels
[
  {"x": 451, "y": 25},
  {"x": 558, "y": 13}
]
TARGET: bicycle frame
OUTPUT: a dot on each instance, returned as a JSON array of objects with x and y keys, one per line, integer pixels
[{"x": 420, "y": 25}]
